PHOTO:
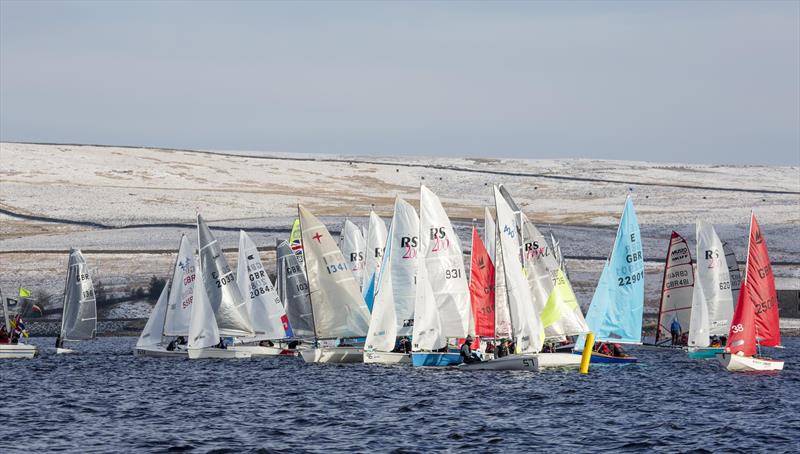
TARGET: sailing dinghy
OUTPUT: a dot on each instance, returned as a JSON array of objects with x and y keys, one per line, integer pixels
[
  {"x": 393, "y": 308},
  {"x": 293, "y": 290},
  {"x": 756, "y": 321},
  {"x": 615, "y": 313},
  {"x": 442, "y": 307},
  {"x": 171, "y": 319},
  {"x": 677, "y": 287},
  {"x": 712, "y": 299},
  {"x": 266, "y": 311},
  {"x": 204, "y": 332},
  {"x": 338, "y": 308},
  {"x": 79, "y": 318},
  {"x": 20, "y": 350}
]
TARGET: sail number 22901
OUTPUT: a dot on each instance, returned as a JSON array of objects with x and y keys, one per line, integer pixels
[{"x": 632, "y": 279}]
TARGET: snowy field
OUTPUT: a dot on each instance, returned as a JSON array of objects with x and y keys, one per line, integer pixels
[{"x": 126, "y": 207}]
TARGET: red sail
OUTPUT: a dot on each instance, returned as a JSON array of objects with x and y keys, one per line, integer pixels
[
  {"x": 756, "y": 314},
  {"x": 481, "y": 288}
]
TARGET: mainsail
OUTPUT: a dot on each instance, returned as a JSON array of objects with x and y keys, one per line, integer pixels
[
  {"x": 441, "y": 251},
  {"x": 427, "y": 323},
  {"x": 733, "y": 270},
  {"x": 353, "y": 246},
  {"x": 179, "y": 306},
  {"x": 489, "y": 234},
  {"x": 615, "y": 313},
  {"x": 230, "y": 308},
  {"x": 79, "y": 319},
  {"x": 151, "y": 334},
  {"x": 502, "y": 313},
  {"x": 756, "y": 319},
  {"x": 264, "y": 306},
  {"x": 526, "y": 328},
  {"x": 481, "y": 287},
  {"x": 294, "y": 291},
  {"x": 376, "y": 242},
  {"x": 338, "y": 307},
  {"x": 393, "y": 312},
  {"x": 203, "y": 329},
  {"x": 712, "y": 301},
  {"x": 676, "y": 288}
]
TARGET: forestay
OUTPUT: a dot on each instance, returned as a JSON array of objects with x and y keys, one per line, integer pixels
[
  {"x": 79, "y": 318},
  {"x": 353, "y": 246},
  {"x": 151, "y": 334},
  {"x": 676, "y": 288},
  {"x": 181, "y": 290},
  {"x": 264, "y": 306},
  {"x": 526, "y": 327},
  {"x": 712, "y": 301},
  {"x": 338, "y": 307},
  {"x": 615, "y": 313},
  {"x": 294, "y": 292},
  {"x": 203, "y": 329},
  {"x": 230, "y": 308},
  {"x": 441, "y": 251}
]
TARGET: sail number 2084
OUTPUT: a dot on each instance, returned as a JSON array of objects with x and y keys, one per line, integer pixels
[{"x": 632, "y": 279}]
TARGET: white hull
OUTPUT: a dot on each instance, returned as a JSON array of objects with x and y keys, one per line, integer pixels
[
  {"x": 217, "y": 353},
  {"x": 159, "y": 352},
  {"x": 386, "y": 358},
  {"x": 333, "y": 355},
  {"x": 64, "y": 351},
  {"x": 531, "y": 362},
  {"x": 740, "y": 363},
  {"x": 257, "y": 351},
  {"x": 17, "y": 351}
]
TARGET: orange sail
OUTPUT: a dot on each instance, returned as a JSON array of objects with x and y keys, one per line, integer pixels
[
  {"x": 481, "y": 288},
  {"x": 756, "y": 317}
]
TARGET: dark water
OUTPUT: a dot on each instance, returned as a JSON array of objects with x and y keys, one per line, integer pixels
[{"x": 107, "y": 400}]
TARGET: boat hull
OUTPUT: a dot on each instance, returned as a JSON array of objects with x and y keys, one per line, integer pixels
[
  {"x": 704, "y": 353},
  {"x": 217, "y": 353},
  {"x": 599, "y": 358},
  {"x": 422, "y": 359},
  {"x": 257, "y": 351},
  {"x": 18, "y": 351},
  {"x": 159, "y": 352},
  {"x": 64, "y": 351},
  {"x": 558, "y": 360},
  {"x": 337, "y": 355},
  {"x": 510, "y": 362},
  {"x": 386, "y": 358},
  {"x": 740, "y": 363}
]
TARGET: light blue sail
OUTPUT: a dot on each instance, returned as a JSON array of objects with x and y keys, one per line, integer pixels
[
  {"x": 615, "y": 314},
  {"x": 369, "y": 293}
]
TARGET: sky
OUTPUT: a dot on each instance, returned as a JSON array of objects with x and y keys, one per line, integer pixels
[{"x": 697, "y": 82}]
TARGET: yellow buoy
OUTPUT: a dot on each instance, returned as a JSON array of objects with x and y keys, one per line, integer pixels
[{"x": 586, "y": 357}]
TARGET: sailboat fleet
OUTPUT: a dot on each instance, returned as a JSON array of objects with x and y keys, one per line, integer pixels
[{"x": 402, "y": 295}]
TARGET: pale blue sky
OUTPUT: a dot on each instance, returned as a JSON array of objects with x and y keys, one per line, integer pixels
[{"x": 715, "y": 82}]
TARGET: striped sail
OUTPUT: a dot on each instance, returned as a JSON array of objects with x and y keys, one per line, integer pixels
[{"x": 676, "y": 289}]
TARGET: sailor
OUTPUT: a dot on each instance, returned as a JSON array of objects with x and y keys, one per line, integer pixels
[
  {"x": 405, "y": 345},
  {"x": 466, "y": 352},
  {"x": 675, "y": 330},
  {"x": 59, "y": 342},
  {"x": 616, "y": 350},
  {"x": 502, "y": 349},
  {"x": 181, "y": 340},
  {"x": 222, "y": 344},
  {"x": 512, "y": 347},
  {"x": 171, "y": 346},
  {"x": 3, "y": 335}
]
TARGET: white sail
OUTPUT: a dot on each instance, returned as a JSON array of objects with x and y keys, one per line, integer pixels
[
  {"x": 376, "y": 242},
  {"x": 427, "y": 323},
  {"x": 151, "y": 334},
  {"x": 489, "y": 234},
  {"x": 441, "y": 251},
  {"x": 79, "y": 318},
  {"x": 712, "y": 288},
  {"x": 552, "y": 294},
  {"x": 502, "y": 313},
  {"x": 526, "y": 327},
  {"x": 393, "y": 309},
  {"x": 266, "y": 310},
  {"x": 203, "y": 330},
  {"x": 353, "y": 246},
  {"x": 179, "y": 306},
  {"x": 230, "y": 308},
  {"x": 338, "y": 307},
  {"x": 677, "y": 289}
]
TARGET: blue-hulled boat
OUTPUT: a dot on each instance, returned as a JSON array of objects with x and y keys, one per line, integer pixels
[
  {"x": 426, "y": 359},
  {"x": 704, "y": 353}
]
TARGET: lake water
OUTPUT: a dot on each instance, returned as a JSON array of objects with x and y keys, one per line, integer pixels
[{"x": 105, "y": 399}]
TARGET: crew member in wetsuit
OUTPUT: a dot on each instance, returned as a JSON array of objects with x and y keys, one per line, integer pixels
[
  {"x": 675, "y": 330},
  {"x": 59, "y": 342},
  {"x": 502, "y": 349},
  {"x": 171, "y": 346},
  {"x": 466, "y": 352},
  {"x": 222, "y": 344}
]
